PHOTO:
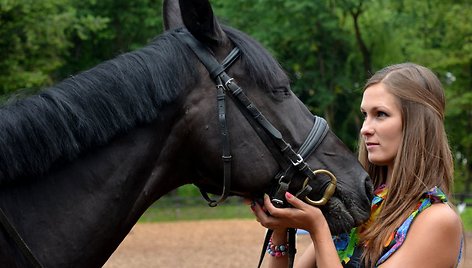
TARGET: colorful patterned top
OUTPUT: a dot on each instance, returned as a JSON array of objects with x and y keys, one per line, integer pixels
[{"x": 347, "y": 244}]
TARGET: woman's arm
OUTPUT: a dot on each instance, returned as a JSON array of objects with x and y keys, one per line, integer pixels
[
  {"x": 434, "y": 240},
  {"x": 301, "y": 216},
  {"x": 279, "y": 237},
  {"x": 327, "y": 255}
]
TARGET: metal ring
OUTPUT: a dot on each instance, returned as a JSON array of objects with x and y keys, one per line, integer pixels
[{"x": 328, "y": 192}]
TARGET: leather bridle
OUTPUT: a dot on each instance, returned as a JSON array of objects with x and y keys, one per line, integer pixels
[
  {"x": 292, "y": 163},
  {"x": 285, "y": 155}
]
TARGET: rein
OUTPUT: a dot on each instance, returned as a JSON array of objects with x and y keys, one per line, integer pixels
[
  {"x": 13, "y": 233},
  {"x": 282, "y": 151}
]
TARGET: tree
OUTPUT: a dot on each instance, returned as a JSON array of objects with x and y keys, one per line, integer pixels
[
  {"x": 35, "y": 38},
  {"x": 129, "y": 25},
  {"x": 328, "y": 48},
  {"x": 436, "y": 34}
]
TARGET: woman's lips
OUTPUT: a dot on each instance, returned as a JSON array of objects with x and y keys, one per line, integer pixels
[{"x": 371, "y": 145}]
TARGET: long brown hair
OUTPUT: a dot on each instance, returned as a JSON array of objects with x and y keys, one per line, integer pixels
[{"x": 423, "y": 160}]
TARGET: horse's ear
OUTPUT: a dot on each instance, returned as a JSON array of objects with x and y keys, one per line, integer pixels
[
  {"x": 171, "y": 15},
  {"x": 198, "y": 17}
]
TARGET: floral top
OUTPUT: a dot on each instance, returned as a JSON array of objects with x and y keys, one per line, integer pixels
[{"x": 347, "y": 244}]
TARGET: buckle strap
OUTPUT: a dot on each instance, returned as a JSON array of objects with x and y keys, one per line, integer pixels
[
  {"x": 275, "y": 134},
  {"x": 292, "y": 249},
  {"x": 201, "y": 51},
  {"x": 231, "y": 58},
  {"x": 226, "y": 147}
]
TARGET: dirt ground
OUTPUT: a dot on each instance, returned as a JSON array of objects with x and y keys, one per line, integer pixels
[{"x": 214, "y": 243}]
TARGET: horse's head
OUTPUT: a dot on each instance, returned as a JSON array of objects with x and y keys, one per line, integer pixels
[{"x": 251, "y": 144}]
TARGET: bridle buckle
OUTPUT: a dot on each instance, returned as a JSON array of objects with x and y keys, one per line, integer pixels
[
  {"x": 328, "y": 192},
  {"x": 299, "y": 160}
]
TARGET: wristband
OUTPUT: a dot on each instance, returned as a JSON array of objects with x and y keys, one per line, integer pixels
[{"x": 277, "y": 250}]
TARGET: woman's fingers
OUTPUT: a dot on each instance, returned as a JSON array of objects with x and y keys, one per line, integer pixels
[
  {"x": 263, "y": 214},
  {"x": 299, "y": 216},
  {"x": 294, "y": 201},
  {"x": 282, "y": 212},
  {"x": 268, "y": 204},
  {"x": 260, "y": 212}
]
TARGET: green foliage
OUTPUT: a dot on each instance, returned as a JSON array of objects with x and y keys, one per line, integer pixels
[
  {"x": 314, "y": 47},
  {"x": 328, "y": 48},
  {"x": 35, "y": 37},
  {"x": 466, "y": 217},
  {"x": 44, "y": 41},
  {"x": 129, "y": 25}
]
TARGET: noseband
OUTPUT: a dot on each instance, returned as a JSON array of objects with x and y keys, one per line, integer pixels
[{"x": 292, "y": 162}]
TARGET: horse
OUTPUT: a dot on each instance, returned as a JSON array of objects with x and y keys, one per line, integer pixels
[{"x": 82, "y": 160}]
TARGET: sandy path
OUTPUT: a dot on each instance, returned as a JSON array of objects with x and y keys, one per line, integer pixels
[
  {"x": 212, "y": 243},
  {"x": 215, "y": 243}
]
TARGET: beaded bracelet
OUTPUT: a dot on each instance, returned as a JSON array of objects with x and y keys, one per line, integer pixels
[{"x": 277, "y": 250}]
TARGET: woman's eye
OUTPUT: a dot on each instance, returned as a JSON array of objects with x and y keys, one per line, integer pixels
[
  {"x": 377, "y": 114},
  {"x": 381, "y": 114}
]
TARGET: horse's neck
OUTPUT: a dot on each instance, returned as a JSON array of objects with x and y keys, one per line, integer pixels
[{"x": 80, "y": 213}]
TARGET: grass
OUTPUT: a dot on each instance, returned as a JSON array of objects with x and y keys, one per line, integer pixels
[
  {"x": 467, "y": 219},
  {"x": 162, "y": 213},
  {"x": 232, "y": 209}
]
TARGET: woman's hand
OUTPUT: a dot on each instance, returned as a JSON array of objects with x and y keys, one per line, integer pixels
[{"x": 301, "y": 216}]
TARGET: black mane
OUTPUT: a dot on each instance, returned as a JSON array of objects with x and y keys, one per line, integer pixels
[{"x": 87, "y": 110}]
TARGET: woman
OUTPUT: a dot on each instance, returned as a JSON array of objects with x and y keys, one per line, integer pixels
[{"x": 403, "y": 146}]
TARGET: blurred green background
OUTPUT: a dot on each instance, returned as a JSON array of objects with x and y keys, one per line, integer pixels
[{"x": 328, "y": 48}]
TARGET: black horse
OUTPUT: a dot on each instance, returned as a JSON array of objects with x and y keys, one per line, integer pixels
[{"x": 81, "y": 161}]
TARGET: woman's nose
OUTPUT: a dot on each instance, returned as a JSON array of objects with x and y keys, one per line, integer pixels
[{"x": 367, "y": 129}]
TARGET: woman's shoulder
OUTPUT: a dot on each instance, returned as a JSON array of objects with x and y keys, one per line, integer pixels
[
  {"x": 437, "y": 230},
  {"x": 434, "y": 239},
  {"x": 439, "y": 216},
  {"x": 439, "y": 224}
]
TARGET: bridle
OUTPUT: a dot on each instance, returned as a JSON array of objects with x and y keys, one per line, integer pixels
[
  {"x": 292, "y": 163},
  {"x": 272, "y": 138}
]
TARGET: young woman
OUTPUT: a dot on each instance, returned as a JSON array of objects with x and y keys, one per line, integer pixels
[{"x": 403, "y": 146}]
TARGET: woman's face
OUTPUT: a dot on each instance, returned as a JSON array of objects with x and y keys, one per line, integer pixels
[{"x": 382, "y": 127}]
